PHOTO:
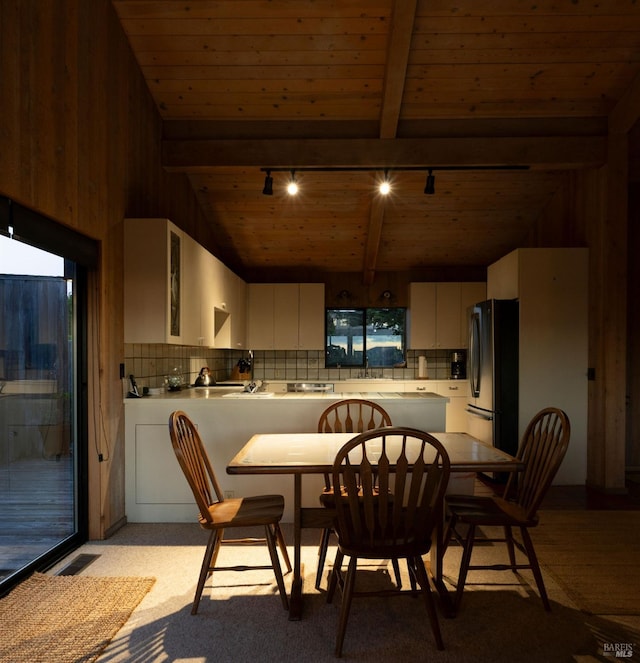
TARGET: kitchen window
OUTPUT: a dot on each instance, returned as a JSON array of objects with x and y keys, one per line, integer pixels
[{"x": 365, "y": 337}]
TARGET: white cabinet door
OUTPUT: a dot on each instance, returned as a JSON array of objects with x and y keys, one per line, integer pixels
[
  {"x": 229, "y": 307},
  {"x": 422, "y": 316},
  {"x": 197, "y": 316},
  {"x": 158, "y": 478},
  {"x": 311, "y": 317},
  {"x": 235, "y": 303},
  {"x": 286, "y": 315},
  {"x": 456, "y": 392},
  {"x": 153, "y": 281},
  {"x": 260, "y": 329},
  {"x": 448, "y": 315}
]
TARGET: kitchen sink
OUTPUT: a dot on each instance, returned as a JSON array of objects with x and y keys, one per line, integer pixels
[{"x": 248, "y": 394}]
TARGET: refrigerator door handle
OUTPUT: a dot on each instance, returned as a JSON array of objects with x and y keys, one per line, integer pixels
[
  {"x": 480, "y": 415},
  {"x": 474, "y": 355}
]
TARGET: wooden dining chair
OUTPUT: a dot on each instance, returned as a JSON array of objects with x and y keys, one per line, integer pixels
[
  {"x": 218, "y": 513},
  {"x": 542, "y": 449},
  {"x": 411, "y": 469},
  {"x": 352, "y": 415}
]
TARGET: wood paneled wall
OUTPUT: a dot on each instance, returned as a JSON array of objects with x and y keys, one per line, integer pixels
[
  {"x": 592, "y": 211},
  {"x": 80, "y": 143}
]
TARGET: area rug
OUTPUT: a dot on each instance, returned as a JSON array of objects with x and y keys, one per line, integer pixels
[{"x": 65, "y": 618}]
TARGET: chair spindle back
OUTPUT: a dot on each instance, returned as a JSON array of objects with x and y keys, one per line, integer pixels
[{"x": 195, "y": 463}]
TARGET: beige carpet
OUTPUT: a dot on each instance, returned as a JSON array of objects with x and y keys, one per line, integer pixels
[
  {"x": 588, "y": 553},
  {"x": 241, "y": 618},
  {"x": 60, "y": 619}
]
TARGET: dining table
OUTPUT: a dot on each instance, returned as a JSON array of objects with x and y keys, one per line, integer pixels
[{"x": 298, "y": 454}]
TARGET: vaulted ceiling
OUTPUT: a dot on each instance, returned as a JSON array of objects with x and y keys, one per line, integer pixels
[{"x": 499, "y": 99}]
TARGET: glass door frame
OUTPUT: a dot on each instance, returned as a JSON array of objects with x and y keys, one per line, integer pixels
[{"x": 36, "y": 230}]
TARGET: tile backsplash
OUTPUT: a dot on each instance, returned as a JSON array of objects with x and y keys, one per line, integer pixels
[{"x": 151, "y": 363}]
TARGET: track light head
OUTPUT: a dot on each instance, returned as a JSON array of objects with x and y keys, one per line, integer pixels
[
  {"x": 430, "y": 185},
  {"x": 385, "y": 185},
  {"x": 292, "y": 187},
  {"x": 268, "y": 185}
]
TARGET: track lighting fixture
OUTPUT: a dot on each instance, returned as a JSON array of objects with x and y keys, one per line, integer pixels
[
  {"x": 430, "y": 186},
  {"x": 292, "y": 187},
  {"x": 385, "y": 184},
  {"x": 268, "y": 185}
]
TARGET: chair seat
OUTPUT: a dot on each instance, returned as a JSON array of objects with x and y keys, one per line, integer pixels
[
  {"x": 245, "y": 512},
  {"x": 490, "y": 510},
  {"x": 379, "y": 550},
  {"x": 328, "y": 500}
]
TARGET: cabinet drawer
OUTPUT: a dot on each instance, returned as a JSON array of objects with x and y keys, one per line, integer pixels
[
  {"x": 453, "y": 389},
  {"x": 422, "y": 385}
]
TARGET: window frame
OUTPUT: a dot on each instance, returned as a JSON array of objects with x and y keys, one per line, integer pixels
[{"x": 364, "y": 311}]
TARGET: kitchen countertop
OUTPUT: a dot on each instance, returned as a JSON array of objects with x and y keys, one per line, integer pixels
[{"x": 214, "y": 393}]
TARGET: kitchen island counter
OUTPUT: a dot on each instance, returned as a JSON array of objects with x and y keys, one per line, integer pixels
[
  {"x": 214, "y": 393},
  {"x": 156, "y": 490}
]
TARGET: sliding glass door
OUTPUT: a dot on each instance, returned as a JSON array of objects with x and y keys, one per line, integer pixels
[{"x": 42, "y": 490}]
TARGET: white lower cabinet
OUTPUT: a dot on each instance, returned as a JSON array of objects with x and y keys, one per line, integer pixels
[
  {"x": 369, "y": 386},
  {"x": 456, "y": 391}
]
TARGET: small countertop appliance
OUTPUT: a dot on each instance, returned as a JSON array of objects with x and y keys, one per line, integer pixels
[{"x": 458, "y": 366}]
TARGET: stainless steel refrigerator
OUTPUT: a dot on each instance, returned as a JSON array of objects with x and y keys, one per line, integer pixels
[{"x": 493, "y": 373}]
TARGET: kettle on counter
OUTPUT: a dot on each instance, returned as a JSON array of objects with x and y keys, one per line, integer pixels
[{"x": 204, "y": 378}]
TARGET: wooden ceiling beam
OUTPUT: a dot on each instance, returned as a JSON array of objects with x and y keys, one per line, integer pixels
[
  {"x": 398, "y": 48},
  {"x": 376, "y": 219},
  {"x": 554, "y": 152},
  {"x": 626, "y": 112}
]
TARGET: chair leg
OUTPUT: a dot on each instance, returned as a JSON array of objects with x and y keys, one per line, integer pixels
[
  {"x": 210, "y": 553},
  {"x": 535, "y": 567},
  {"x": 464, "y": 564},
  {"x": 412, "y": 575},
  {"x": 396, "y": 572},
  {"x": 347, "y": 595},
  {"x": 283, "y": 546},
  {"x": 423, "y": 579},
  {"x": 275, "y": 561},
  {"x": 322, "y": 554},
  {"x": 508, "y": 537},
  {"x": 333, "y": 578}
]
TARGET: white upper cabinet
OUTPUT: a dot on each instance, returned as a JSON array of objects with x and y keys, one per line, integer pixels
[
  {"x": 154, "y": 281},
  {"x": 438, "y": 311},
  {"x": 231, "y": 313},
  {"x": 311, "y": 316},
  {"x": 260, "y": 315},
  {"x": 178, "y": 292},
  {"x": 448, "y": 315},
  {"x": 422, "y": 316},
  {"x": 286, "y": 316}
]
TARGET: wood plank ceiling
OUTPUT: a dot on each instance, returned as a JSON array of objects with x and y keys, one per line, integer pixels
[{"x": 244, "y": 85}]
